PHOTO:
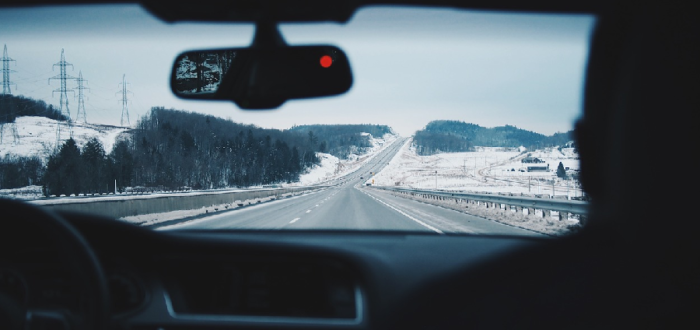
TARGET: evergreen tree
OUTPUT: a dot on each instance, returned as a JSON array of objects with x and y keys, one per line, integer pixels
[
  {"x": 122, "y": 163},
  {"x": 16, "y": 172},
  {"x": 95, "y": 167},
  {"x": 64, "y": 171},
  {"x": 561, "y": 172}
]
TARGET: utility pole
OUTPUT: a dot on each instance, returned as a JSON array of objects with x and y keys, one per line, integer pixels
[
  {"x": 63, "y": 105},
  {"x": 125, "y": 101},
  {"x": 553, "y": 188},
  {"x": 81, "y": 116}
]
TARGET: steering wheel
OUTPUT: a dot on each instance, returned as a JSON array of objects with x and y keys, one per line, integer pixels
[{"x": 22, "y": 225}]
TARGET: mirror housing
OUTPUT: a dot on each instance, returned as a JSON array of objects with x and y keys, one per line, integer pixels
[{"x": 263, "y": 77}]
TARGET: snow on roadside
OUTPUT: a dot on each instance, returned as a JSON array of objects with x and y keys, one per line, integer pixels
[
  {"x": 535, "y": 222},
  {"x": 189, "y": 217},
  {"x": 124, "y": 196},
  {"x": 324, "y": 171},
  {"x": 26, "y": 193},
  {"x": 331, "y": 168},
  {"x": 155, "y": 218},
  {"x": 485, "y": 170}
]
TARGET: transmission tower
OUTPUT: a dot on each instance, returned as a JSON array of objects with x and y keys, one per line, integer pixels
[
  {"x": 80, "y": 115},
  {"x": 63, "y": 107},
  {"x": 7, "y": 91},
  {"x": 6, "y": 72},
  {"x": 125, "y": 101}
]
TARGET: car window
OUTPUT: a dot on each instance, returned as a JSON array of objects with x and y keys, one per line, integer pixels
[{"x": 449, "y": 111}]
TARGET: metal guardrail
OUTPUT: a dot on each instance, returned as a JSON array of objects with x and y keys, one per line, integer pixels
[
  {"x": 132, "y": 205},
  {"x": 576, "y": 207}
]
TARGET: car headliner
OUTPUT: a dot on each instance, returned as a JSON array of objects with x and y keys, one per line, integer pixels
[{"x": 316, "y": 10}]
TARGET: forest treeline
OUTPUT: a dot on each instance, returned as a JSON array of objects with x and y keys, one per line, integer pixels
[
  {"x": 173, "y": 149},
  {"x": 457, "y": 136},
  {"x": 342, "y": 140},
  {"x": 13, "y": 106}
]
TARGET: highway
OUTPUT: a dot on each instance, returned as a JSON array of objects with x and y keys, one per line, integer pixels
[{"x": 350, "y": 205}]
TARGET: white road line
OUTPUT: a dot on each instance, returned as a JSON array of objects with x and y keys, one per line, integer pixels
[
  {"x": 408, "y": 216},
  {"x": 308, "y": 211},
  {"x": 295, "y": 220},
  {"x": 316, "y": 205}
]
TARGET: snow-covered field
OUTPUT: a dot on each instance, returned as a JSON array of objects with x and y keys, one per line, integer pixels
[
  {"x": 332, "y": 168},
  {"x": 488, "y": 169},
  {"x": 36, "y": 136}
]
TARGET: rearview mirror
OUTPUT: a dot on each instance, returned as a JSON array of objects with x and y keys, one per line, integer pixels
[{"x": 261, "y": 78}]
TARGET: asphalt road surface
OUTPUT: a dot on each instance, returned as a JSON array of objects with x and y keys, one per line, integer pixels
[{"x": 351, "y": 205}]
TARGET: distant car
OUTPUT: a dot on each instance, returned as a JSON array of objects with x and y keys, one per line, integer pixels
[
  {"x": 361, "y": 178},
  {"x": 368, "y": 184},
  {"x": 512, "y": 170}
]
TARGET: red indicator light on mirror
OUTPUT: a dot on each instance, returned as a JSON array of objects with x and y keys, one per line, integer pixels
[{"x": 326, "y": 61}]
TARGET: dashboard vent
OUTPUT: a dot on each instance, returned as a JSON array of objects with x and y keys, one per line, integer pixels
[{"x": 283, "y": 288}]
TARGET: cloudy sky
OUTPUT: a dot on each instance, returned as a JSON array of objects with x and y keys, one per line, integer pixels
[{"x": 410, "y": 65}]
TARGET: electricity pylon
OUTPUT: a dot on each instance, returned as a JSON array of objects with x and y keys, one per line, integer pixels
[
  {"x": 80, "y": 115},
  {"x": 63, "y": 106},
  {"x": 125, "y": 101},
  {"x": 7, "y": 91},
  {"x": 6, "y": 72}
]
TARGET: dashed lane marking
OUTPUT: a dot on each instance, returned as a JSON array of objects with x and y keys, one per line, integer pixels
[{"x": 406, "y": 215}]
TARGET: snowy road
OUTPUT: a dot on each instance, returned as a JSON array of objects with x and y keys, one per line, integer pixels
[{"x": 353, "y": 206}]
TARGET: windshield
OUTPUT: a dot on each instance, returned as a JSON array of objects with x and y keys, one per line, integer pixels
[{"x": 456, "y": 122}]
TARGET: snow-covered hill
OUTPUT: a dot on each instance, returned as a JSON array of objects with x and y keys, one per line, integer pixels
[
  {"x": 36, "y": 136},
  {"x": 331, "y": 167}
]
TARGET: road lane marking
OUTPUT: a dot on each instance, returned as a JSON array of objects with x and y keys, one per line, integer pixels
[
  {"x": 406, "y": 215},
  {"x": 295, "y": 220},
  {"x": 308, "y": 211}
]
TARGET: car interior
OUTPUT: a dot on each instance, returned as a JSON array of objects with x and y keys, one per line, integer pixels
[{"x": 635, "y": 264}]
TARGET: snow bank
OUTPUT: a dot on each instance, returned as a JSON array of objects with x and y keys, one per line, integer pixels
[
  {"x": 331, "y": 167},
  {"x": 537, "y": 222}
]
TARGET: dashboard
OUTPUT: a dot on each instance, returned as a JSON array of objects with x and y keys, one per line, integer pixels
[{"x": 253, "y": 279}]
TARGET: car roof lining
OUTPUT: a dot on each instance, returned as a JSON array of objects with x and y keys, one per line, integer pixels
[{"x": 317, "y": 10}]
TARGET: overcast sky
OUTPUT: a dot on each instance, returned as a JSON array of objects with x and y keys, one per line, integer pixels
[{"x": 410, "y": 65}]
